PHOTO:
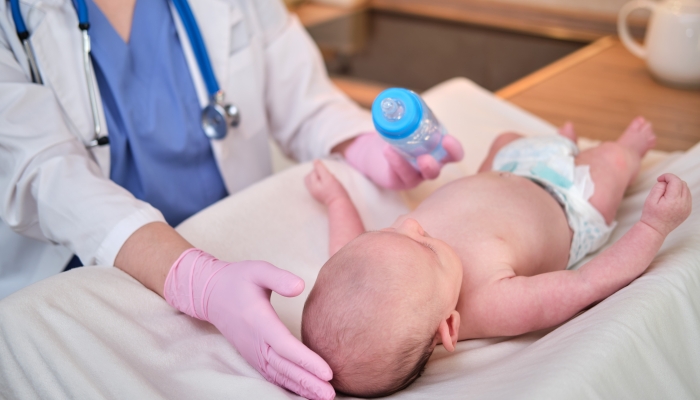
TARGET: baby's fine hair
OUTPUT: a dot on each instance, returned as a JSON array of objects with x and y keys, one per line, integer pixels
[{"x": 346, "y": 322}]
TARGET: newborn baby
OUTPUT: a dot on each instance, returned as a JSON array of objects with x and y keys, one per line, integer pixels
[{"x": 483, "y": 256}]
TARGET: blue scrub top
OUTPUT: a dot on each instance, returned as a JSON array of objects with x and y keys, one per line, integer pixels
[{"x": 157, "y": 146}]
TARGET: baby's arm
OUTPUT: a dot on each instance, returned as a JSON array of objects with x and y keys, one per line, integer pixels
[
  {"x": 517, "y": 304},
  {"x": 344, "y": 222},
  {"x": 668, "y": 204}
]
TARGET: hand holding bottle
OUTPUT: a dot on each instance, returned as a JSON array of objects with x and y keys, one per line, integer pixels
[
  {"x": 382, "y": 164},
  {"x": 411, "y": 145}
]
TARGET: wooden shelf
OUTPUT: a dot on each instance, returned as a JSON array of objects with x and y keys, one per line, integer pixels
[
  {"x": 552, "y": 22},
  {"x": 547, "y": 21},
  {"x": 311, "y": 14}
]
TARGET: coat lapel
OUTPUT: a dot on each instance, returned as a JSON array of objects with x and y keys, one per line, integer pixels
[
  {"x": 59, "y": 57},
  {"x": 57, "y": 44}
]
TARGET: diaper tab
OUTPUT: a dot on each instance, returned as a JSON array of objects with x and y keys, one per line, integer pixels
[
  {"x": 543, "y": 171},
  {"x": 508, "y": 167}
]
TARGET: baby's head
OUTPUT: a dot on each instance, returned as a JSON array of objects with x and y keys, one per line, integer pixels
[{"x": 379, "y": 307}]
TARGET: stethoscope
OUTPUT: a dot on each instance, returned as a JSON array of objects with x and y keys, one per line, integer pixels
[{"x": 216, "y": 116}]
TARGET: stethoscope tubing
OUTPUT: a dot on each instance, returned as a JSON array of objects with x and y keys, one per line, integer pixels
[
  {"x": 92, "y": 92},
  {"x": 23, "y": 35},
  {"x": 82, "y": 11},
  {"x": 19, "y": 21},
  {"x": 198, "y": 46}
]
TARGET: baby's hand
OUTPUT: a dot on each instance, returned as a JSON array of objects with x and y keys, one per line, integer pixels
[
  {"x": 669, "y": 203},
  {"x": 322, "y": 185}
]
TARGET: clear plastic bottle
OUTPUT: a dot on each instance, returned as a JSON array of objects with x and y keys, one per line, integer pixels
[{"x": 404, "y": 120}]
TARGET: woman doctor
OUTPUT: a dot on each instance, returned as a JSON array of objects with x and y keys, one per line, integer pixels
[{"x": 68, "y": 187}]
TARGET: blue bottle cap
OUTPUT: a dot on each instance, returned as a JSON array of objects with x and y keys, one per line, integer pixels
[{"x": 404, "y": 123}]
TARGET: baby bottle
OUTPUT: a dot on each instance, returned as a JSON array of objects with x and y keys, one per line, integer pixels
[{"x": 404, "y": 120}]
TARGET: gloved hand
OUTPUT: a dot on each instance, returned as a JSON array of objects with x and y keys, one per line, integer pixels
[
  {"x": 378, "y": 161},
  {"x": 235, "y": 298}
]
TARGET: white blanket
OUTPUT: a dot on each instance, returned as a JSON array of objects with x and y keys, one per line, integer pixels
[{"x": 97, "y": 333}]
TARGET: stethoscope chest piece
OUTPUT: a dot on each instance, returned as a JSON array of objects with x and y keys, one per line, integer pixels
[{"x": 217, "y": 117}]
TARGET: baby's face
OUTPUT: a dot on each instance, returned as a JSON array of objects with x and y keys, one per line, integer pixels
[
  {"x": 433, "y": 273},
  {"x": 440, "y": 264}
]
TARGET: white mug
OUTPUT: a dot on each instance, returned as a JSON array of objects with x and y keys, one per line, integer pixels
[{"x": 672, "y": 43}]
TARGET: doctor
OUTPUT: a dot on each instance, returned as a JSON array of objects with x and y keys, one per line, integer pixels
[{"x": 121, "y": 118}]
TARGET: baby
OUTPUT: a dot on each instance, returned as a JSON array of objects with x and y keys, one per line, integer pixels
[{"x": 484, "y": 256}]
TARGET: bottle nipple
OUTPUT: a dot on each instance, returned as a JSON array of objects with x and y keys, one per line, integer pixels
[{"x": 392, "y": 109}]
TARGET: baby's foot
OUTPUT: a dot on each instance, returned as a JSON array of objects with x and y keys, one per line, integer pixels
[
  {"x": 638, "y": 136},
  {"x": 568, "y": 131}
]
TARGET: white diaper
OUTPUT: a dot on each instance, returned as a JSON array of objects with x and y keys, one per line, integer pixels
[{"x": 549, "y": 161}]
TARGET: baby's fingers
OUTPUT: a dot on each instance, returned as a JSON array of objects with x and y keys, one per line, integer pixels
[
  {"x": 674, "y": 187},
  {"x": 667, "y": 177},
  {"x": 311, "y": 180},
  {"x": 657, "y": 192},
  {"x": 687, "y": 197},
  {"x": 321, "y": 170}
]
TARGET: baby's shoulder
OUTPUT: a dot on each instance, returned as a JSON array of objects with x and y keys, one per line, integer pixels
[{"x": 494, "y": 261}]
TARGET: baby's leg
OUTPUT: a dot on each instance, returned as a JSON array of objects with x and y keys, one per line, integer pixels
[
  {"x": 615, "y": 164},
  {"x": 501, "y": 141},
  {"x": 567, "y": 130}
]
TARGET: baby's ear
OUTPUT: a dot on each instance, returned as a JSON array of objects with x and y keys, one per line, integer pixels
[{"x": 449, "y": 330}]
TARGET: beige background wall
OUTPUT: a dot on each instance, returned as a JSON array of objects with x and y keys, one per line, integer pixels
[
  {"x": 596, "y": 6},
  {"x": 599, "y": 6}
]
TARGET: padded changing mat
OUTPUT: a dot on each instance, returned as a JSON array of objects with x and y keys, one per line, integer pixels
[{"x": 95, "y": 332}]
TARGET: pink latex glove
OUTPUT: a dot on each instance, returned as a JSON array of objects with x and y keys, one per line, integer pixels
[
  {"x": 378, "y": 161},
  {"x": 235, "y": 298}
]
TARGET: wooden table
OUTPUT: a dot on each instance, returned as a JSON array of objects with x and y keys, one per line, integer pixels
[{"x": 601, "y": 88}]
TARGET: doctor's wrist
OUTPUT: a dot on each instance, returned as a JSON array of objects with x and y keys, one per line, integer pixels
[{"x": 148, "y": 254}]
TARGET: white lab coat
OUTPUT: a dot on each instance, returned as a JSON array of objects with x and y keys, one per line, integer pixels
[{"x": 56, "y": 198}]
